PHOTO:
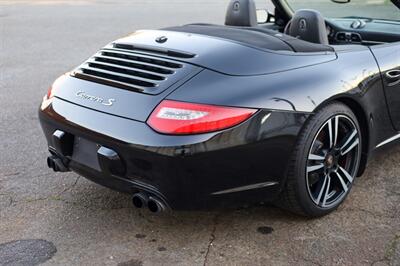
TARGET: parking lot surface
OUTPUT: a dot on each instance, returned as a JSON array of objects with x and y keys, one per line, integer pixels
[{"x": 63, "y": 219}]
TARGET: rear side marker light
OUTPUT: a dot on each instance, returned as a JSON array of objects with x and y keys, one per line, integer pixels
[
  {"x": 47, "y": 99},
  {"x": 49, "y": 93},
  {"x": 182, "y": 118}
]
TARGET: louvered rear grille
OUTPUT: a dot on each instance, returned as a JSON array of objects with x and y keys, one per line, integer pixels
[{"x": 129, "y": 70}]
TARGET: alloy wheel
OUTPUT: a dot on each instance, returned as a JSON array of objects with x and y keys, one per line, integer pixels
[{"x": 333, "y": 161}]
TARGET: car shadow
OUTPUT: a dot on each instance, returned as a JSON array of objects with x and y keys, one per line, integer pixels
[{"x": 90, "y": 217}]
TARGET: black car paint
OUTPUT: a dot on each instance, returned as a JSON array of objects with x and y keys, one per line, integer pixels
[
  {"x": 227, "y": 57},
  {"x": 187, "y": 171},
  {"x": 388, "y": 58}
]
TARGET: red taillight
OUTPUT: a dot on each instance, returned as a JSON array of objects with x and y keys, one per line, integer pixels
[
  {"x": 49, "y": 93},
  {"x": 178, "y": 118}
]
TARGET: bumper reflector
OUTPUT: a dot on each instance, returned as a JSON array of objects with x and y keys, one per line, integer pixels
[{"x": 110, "y": 162}]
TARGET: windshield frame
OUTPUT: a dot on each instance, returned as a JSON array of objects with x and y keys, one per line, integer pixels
[{"x": 289, "y": 11}]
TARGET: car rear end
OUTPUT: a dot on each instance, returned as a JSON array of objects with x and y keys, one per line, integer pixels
[{"x": 114, "y": 121}]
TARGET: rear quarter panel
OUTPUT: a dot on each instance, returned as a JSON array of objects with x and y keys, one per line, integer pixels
[{"x": 354, "y": 75}]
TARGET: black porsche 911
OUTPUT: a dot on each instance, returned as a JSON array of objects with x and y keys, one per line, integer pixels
[{"x": 285, "y": 108}]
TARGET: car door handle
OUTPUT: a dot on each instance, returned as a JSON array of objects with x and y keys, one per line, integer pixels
[{"x": 393, "y": 77}]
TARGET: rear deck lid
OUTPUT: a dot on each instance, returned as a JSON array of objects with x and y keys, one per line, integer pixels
[
  {"x": 222, "y": 55},
  {"x": 131, "y": 76},
  {"x": 125, "y": 79},
  {"x": 111, "y": 99}
]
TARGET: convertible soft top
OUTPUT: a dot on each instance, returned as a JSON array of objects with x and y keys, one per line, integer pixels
[{"x": 256, "y": 37}]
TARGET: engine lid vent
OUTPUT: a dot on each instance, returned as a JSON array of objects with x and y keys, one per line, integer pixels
[{"x": 137, "y": 69}]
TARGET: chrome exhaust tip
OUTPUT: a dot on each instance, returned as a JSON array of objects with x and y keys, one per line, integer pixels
[
  {"x": 140, "y": 200},
  {"x": 155, "y": 205}
]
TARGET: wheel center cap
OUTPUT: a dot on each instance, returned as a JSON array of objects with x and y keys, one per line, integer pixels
[{"x": 329, "y": 161}]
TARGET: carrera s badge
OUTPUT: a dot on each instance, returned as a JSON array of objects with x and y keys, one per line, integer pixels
[{"x": 106, "y": 102}]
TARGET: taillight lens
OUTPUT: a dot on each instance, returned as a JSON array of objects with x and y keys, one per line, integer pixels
[
  {"x": 182, "y": 118},
  {"x": 49, "y": 93}
]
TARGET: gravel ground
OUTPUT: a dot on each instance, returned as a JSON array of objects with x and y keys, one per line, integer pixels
[{"x": 62, "y": 219}]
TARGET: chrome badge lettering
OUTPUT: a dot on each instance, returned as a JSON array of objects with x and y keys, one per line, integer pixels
[{"x": 106, "y": 102}]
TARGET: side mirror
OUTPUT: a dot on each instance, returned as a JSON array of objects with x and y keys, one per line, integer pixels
[{"x": 264, "y": 16}]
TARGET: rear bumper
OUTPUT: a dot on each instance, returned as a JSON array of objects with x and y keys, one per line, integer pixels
[{"x": 241, "y": 165}]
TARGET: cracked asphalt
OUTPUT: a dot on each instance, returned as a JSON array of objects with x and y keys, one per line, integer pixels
[{"x": 62, "y": 219}]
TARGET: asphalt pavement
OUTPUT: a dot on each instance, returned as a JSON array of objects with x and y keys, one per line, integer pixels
[{"x": 63, "y": 219}]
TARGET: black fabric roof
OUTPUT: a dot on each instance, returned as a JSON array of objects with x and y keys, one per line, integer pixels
[{"x": 257, "y": 37}]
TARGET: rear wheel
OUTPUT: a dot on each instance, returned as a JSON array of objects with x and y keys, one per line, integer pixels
[{"x": 325, "y": 162}]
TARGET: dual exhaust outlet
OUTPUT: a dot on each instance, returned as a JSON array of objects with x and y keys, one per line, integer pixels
[
  {"x": 139, "y": 200},
  {"x": 142, "y": 200}
]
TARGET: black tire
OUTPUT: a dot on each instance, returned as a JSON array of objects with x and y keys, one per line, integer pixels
[{"x": 298, "y": 196}]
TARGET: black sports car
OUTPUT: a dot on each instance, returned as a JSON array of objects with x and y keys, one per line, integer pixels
[{"x": 285, "y": 108}]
